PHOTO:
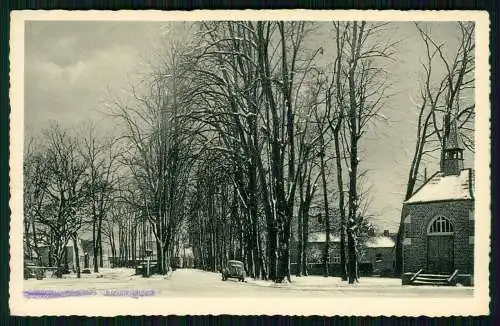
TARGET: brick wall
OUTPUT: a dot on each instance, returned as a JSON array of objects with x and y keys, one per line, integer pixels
[{"x": 417, "y": 219}]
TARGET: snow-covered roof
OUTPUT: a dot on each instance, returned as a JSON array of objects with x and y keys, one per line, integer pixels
[
  {"x": 321, "y": 237},
  {"x": 380, "y": 242},
  {"x": 372, "y": 242},
  {"x": 440, "y": 188}
]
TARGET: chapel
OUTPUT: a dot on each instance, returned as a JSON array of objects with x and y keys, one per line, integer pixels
[{"x": 438, "y": 238}]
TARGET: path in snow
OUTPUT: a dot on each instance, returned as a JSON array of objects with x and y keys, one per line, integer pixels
[{"x": 196, "y": 283}]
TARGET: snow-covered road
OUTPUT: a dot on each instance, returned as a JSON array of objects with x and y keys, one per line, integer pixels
[{"x": 196, "y": 283}]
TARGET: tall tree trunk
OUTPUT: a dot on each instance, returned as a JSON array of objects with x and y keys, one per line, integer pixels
[
  {"x": 253, "y": 219},
  {"x": 112, "y": 245},
  {"x": 272, "y": 247},
  {"x": 64, "y": 258},
  {"x": 300, "y": 233},
  {"x": 35, "y": 239},
  {"x": 305, "y": 239},
  {"x": 286, "y": 259},
  {"x": 159, "y": 256},
  {"x": 262, "y": 270},
  {"x": 77, "y": 255},
  {"x": 167, "y": 258},
  {"x": 284, "y": 251},
  {"x": 326, "y": 252},
  {"x": 50, "y": 253},
  {"x": 95, "y": 246},
  {"x": 99, "y": 241},
  {"x": 340, "y": 186},
  {"x": 144, "y": 243},
  {"x": 353, "y": 160},
  {"x": 249, "y": 252}
]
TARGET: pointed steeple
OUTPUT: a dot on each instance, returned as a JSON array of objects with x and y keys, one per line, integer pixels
[{"x": 453, "y": 161}]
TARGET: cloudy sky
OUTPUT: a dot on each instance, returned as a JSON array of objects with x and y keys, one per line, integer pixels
[{"x": 72, "y": 68}]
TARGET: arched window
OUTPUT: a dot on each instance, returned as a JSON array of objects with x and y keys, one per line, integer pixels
[{"x": 440, "y": 225}]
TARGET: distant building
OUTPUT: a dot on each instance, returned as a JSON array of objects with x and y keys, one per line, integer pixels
[
  {"x": 379, "y": 252},
  {"x": 85, "y": 252},
  {"x": 184, "y": 257},
  {"x": 439, "y": 218},
  {"x": 68, "y": 258},
  {"x": 376, "y": 255}
]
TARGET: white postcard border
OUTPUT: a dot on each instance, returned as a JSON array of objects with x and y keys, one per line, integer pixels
[{"x": 478, "y": 304}]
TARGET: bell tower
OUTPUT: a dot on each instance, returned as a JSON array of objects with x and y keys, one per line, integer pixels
[{"x": 453, "y": 161}]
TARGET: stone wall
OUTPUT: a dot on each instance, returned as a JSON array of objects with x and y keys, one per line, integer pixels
[{"x": 416, "y": 222}]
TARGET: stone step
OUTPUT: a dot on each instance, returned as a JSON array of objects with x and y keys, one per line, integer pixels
[
  {"x": 418, "y": 281},
  {"x": 433, "y": 277}
]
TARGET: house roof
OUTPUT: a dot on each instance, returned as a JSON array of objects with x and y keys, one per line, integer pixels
[
  {"x": 321, "y": 237},
  {"x": 372, "y": 242},
  {"x": 441, "y": 188},
  {"x": 380, "y": 242}
]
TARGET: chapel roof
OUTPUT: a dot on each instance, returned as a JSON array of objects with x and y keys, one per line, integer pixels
[{"x": 443, "y": 188}]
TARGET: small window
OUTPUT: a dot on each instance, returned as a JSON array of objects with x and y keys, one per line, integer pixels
[
  {"x": 441, "y": 225},
  {"x": 378, "y": 258},
  {"x": 336, "y": 259}
]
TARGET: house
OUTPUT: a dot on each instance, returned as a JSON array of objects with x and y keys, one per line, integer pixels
[
  {"x": 316, "y": 246},
  {"x": 314, "y": 253},
  {"x": 376, "y": 254},
  {"x": 184, "y": 257},
  {"x": 379, "y": 252},
  {"x": 438, "y": 236},
  {"x": 68, "y": 258}
]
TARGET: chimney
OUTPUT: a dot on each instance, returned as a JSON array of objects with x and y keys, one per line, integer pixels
[{"x": 386, "y": 233}]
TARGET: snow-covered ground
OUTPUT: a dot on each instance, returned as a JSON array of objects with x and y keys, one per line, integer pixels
[{"x": 196, "y": 283}]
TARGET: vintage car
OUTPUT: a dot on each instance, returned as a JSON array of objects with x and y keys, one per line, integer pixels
[{"x": 234, "y": 269}]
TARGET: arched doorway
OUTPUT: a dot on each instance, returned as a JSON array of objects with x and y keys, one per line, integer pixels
[{"x": 440, "y": 252}]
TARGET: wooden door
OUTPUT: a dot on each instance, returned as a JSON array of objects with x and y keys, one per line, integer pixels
[{"x": 440, "y": 254}]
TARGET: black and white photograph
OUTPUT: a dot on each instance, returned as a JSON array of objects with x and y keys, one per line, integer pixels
[{"x": 224, "y": 162}]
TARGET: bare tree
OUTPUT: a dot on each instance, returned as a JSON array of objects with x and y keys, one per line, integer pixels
[
  {"x": 281, "y": 80},
  {"x": 33, "y": 195},
  {"x": 159, "y": 148},
  {"x": 310, "y": 142},
  {"x": 101, "y": 174},
  {"x": 336, "y": 106},
  {"x": 64, "y": 186},
  {"x": 360, "y": 81}
]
